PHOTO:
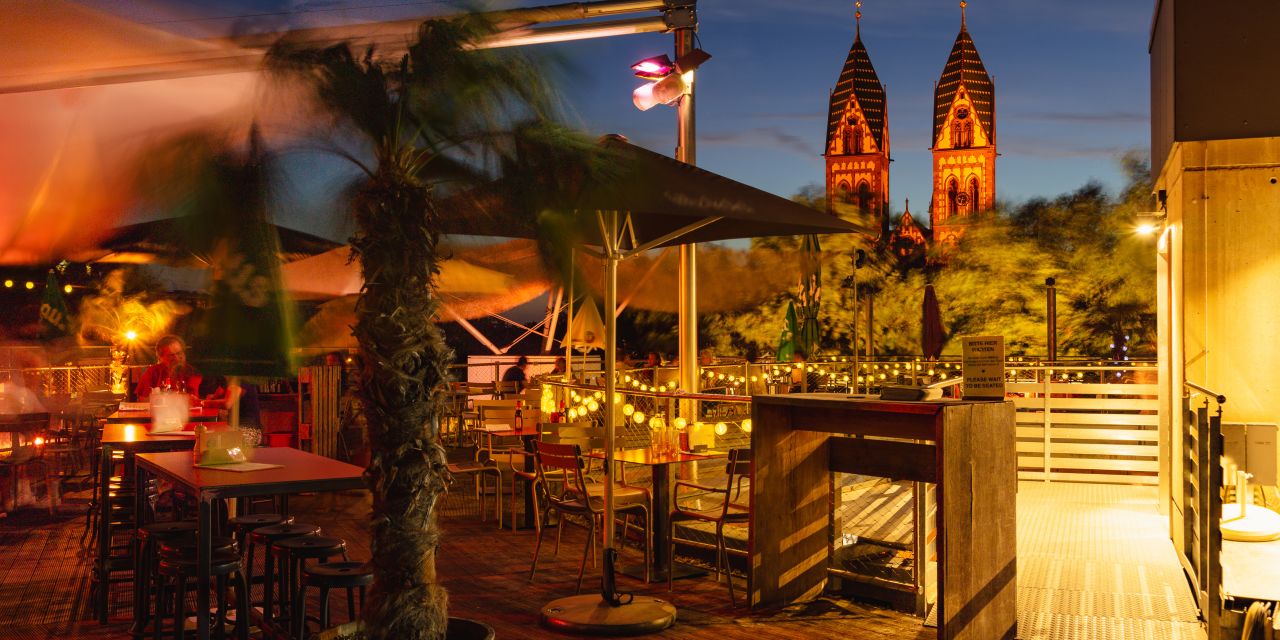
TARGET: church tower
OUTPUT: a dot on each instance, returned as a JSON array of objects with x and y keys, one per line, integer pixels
[
  {"x": 964, "y": 140},
  {"x": 857, "y": 149}
]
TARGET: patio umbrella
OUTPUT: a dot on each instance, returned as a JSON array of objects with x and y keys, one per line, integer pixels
[
  {"x": 332, "y": 274},
  {"x": 650, "y": 201},
  {"x": 169, "y": 242},
  {"x": 810, "y": 294},
  {"x": 930, "y": 325}
]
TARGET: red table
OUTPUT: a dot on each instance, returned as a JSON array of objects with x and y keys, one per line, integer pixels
[
  {"x": 660, "y": 465},
  {"x": 301, "y": 472}
]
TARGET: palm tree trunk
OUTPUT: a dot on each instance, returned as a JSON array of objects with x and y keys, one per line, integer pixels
[{"x": 405, "y": 361}]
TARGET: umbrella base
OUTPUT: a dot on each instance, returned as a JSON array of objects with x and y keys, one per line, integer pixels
[{"x": 589, "y": 614}]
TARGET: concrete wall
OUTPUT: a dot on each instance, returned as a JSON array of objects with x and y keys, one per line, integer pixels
[{"x": 1220, "y": 279}]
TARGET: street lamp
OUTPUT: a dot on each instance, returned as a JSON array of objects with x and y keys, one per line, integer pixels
[{"x": 669, "y": 81}]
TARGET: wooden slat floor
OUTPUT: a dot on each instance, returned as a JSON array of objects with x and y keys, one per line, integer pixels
[{"x": 44, "y": 581}]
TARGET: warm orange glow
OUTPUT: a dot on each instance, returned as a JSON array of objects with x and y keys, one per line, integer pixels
[
  {"x": 39, "y": 441},
  {"x": 67, "y": 289},
  {"x": 30, "y": 285},
  {"x": 131, "y": 335},
  {"x": 8, "y": 284},
  {"x": 1146, "y": 229}
]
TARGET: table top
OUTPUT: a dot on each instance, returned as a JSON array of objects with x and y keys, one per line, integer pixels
[
  {"x": 647, "y": 456},
  {"x": 133, "y": 435},
  {"x": 527, "y": 432},
  {"x": 196, "y": 415},
  {"x": 300, "y": 471},
  {"x": 15, "y": 422}
]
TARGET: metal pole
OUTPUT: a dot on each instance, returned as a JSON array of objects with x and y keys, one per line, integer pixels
[
  {"x": 610, "y": 383},
  {"x": 1051, "y": 317},
  {"x": 871, "y": 323},
  {"x": 686, "y": 151},
  {"x": 857, "y": 315}
]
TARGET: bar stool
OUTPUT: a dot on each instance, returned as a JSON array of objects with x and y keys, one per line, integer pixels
[
  {"x": 224, "y": 565},
  {"x": 297, "y": 550},
  {"x": 326, "y": 576},
  {"x": 267, "y": 537},
  {"x": 242, "y": 526},
  {"x": 147, "y": 549}
]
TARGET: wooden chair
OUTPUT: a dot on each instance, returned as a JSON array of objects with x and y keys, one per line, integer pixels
[
  {"x": 582, "y": 500},
  {"x": 725, "y": 512}
]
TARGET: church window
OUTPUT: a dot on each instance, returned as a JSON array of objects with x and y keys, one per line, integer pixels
[
  {"x": 953, "y": 196},
  {"x": 864, "y": 198},
  {"x": 843, "y": 188},
  {"x": 975, "y": 203}
]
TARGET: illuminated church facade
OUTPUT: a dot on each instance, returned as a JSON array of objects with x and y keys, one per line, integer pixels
[{"x": 964, "y": 148}]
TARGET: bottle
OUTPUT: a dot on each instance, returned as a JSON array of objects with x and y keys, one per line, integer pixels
[{"x": 519, "y": 417}]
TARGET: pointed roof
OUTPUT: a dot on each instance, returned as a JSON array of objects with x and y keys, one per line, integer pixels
[
  {"x": 965, "y": 67},
  {"x": 858, "y": 79}
]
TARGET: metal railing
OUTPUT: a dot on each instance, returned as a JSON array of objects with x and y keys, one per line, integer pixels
[{"x": 1201, "y": 501}]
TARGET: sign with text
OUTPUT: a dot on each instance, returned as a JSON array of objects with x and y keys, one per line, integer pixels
[{"x": 983, "y": 367}]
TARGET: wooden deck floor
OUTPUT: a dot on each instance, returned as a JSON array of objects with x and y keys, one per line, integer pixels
[{"x": 44, "y": 582}]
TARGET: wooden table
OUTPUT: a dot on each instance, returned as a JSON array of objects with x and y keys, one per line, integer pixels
[
  {"x": 963, "y": 448},
  {"x": 142, "y": 416},
  {"x": 661, "y": 468},
  {"x": 301, "y": 471},
  {"x": 131, "y": 439}
]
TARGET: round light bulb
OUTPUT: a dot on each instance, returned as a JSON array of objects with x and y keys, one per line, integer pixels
[
  {"x": 746, "y": 425},
  {"x": 67, "y": 289},
  {"x": 598, "y": 395},
  {"x": 627, "y": 409},
  {"x": 8, "y": 284},
  {"x": 131, "y": 335},
  {"x": 638, "y": 417},
  {"x": 593, "y": 405},
  {"x": 617, "y": 398},
  {"x": 30, "y": 285},
  {"x": 680, "y": 423},
  {"x": 721, "y": 428}
]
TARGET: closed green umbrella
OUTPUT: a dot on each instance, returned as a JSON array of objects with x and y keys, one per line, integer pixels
[
  {"x": 787, "y": 341},
  {"x": 55, "y": 320}
]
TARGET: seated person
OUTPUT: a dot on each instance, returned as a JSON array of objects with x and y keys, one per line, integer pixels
[
  {"x": 221, "y": 394},
  {"x": 172, "y": 371},
  {"x": 518, "y": 373}
]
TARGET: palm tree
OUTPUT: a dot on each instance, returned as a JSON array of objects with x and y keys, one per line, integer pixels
[{"x": 439, "y": 117}]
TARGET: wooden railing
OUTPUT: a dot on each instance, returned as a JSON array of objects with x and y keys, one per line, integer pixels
[{"x": 1087, "y": 432}]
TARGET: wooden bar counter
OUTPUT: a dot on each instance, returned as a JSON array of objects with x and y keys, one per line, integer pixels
[{"x": 965, "y": 447}]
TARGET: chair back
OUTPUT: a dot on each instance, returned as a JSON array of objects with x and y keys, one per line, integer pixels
[
  {"x": 504, "y": 388},
  {"x": 565, "y": 460},
  {"x": 586, "y": 435},
  {"x": 498, "y": 415},
  {"x": 739, "y": 465}
]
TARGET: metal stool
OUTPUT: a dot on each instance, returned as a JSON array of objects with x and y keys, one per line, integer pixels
[
  {"x": 224, "y": 565},
  {"x": 297, "y": 551},
  {"x": 267, "y": 537},
  {"x": 147, "y": 548},
  {"x": 326, "y": 576}
]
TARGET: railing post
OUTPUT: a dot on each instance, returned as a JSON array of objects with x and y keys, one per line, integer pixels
[{"x": 1048, "y": 421}]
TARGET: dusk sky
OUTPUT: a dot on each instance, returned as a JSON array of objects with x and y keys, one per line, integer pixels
[{"x": 1071, "y": 81}]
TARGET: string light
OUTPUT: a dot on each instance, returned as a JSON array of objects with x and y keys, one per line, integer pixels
[
  {"x": 638, "y": 417},
  {"x": 67, "y": 289},
  {"x": 30, "y": 285},
  {"x": 721, "y": 428},
  {"x": 627, "y": 409},
  {"x": 746, "y": 425},
  {"x": 8, "y": 284}
]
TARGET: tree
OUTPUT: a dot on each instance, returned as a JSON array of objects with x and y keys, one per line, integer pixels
[{"x": 439, "y": 117}]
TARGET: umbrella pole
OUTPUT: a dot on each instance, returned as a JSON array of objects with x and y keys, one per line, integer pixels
[{"x": 611, "y": 613}]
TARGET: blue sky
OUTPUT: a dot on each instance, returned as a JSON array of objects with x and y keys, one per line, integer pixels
[{"x": 1071, "y": 81}]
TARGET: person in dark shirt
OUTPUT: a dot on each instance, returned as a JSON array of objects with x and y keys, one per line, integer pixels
[
  {"x": 517, "y": 373},
  {"x": 219, "y": 393}
]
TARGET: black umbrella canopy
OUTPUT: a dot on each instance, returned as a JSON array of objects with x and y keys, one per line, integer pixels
[
  {"x": 663, "y": 196},
  {"x": 169, "y": 241}
]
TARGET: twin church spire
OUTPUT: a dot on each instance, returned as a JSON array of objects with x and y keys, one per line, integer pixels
[{"x": 963, "y": 141}]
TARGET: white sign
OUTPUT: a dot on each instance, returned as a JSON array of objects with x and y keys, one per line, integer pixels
[{"x": 983, "y": 367}]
